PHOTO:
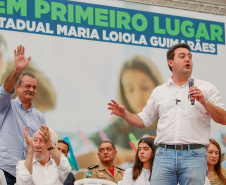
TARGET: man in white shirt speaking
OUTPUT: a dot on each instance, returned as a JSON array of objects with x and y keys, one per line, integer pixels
[
  {"x": 44, "y": 163},
  {"x": 184, "y": 111}
]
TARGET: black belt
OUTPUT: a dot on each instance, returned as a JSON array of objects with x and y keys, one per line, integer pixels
[{"x": 182, "y": 147}]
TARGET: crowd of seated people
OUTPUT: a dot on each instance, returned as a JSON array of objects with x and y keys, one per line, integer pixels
[{"x": 47, "y": 158}]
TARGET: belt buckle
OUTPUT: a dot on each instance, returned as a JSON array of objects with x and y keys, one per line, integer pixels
[{"x": 179, "y": 147}]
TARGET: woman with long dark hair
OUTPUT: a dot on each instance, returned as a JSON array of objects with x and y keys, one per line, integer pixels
[
  {"x": 140, "y": 173},
  {"x": 216, "y": 172}
]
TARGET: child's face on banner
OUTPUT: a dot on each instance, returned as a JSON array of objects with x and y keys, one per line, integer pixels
[{"x": 138, "y": 87}]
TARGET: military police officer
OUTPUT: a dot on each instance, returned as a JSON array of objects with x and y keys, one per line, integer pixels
[{"x": 106, "y": 169}]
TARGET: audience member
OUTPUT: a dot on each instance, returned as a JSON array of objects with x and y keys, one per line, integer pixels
[
  {"x": 15, "y": 114},
  {"x": 44, "y": 163},
  {"x": 216, "y": 172},
  {"x": 63, "y": 147},
  {"x": 106, "y": 169},
  {"x": 140, "y": 173}
]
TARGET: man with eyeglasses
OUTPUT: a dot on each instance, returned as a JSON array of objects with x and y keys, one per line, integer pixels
[{"x": 106, "y": 169}]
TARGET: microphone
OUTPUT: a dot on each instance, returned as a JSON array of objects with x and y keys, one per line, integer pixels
[{"x": 191, "y": 83}]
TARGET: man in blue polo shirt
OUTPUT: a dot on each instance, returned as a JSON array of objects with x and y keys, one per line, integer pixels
[{"x": 15, "y": 114}]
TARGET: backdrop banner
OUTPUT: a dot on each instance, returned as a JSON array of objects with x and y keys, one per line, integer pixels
[{"x": 85, "y": 53}]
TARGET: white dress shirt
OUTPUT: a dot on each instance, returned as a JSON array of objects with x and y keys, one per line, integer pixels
[
  {"x": 50, "y": 174},
  {"x": 141, "y": 180},
  {"x": 179, "y": 121}
]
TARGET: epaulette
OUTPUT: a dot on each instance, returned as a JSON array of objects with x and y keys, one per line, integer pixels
[
  {"x": 94, "y": 166},
  {"x": 119, "y": 168}
]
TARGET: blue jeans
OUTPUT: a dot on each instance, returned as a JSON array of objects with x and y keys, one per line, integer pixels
[{"x": 188, "y": 167}]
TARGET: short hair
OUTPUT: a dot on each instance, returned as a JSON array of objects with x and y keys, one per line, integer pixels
[
  {"x": 19, "y": 81},
  {"x": 107, "y": 142},
  {"x": 54, "y": 137},
  {"x": 170, "y": 53},
  {"x": 64, "y": 142}
]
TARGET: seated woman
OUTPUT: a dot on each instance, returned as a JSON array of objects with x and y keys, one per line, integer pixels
[
  {"x": 141, "y": 171},
  {"x": 216, "y": 173}
]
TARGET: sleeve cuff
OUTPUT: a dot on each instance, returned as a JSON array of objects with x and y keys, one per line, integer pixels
[
  {"x": 64, "y": 167},
  {"x": 4, "y": 92}
]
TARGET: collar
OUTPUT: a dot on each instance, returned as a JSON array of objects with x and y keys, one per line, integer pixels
[
  {"x": 171, "y": 82},
  {"x": 102, "y": 167},
  {"x": 18, "y": 102},
  {"x": 50, "y": 162}
]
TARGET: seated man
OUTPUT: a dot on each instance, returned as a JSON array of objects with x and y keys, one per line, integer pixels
[
  {"x": 106, "y": 169},
  {"x": 63, "y": 147},
  {"x": 44, "y": 164}
]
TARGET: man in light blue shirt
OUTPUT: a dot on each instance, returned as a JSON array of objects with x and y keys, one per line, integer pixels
[{"x": 15, "y": 114}]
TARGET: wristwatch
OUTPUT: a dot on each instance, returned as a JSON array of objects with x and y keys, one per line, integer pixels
[{"x": 52, "y": 147}]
